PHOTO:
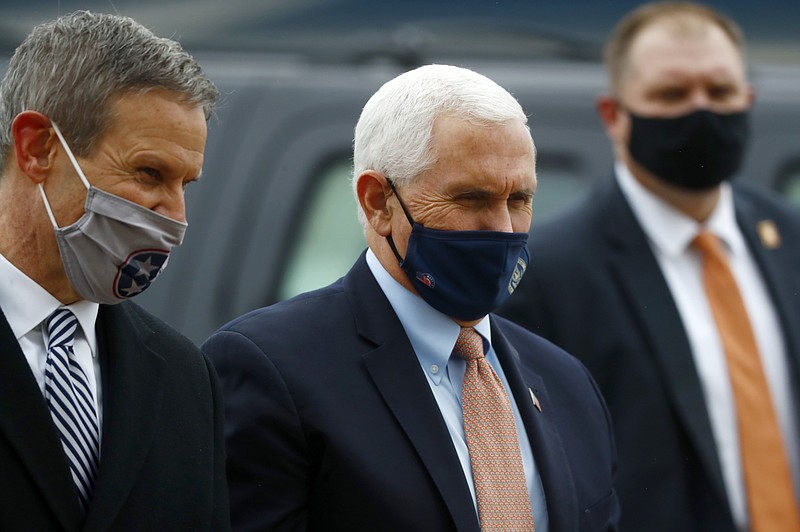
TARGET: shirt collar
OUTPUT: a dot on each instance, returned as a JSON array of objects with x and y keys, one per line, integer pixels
[
  {"x": 671, "y": 231},
  {"x": 432, "y": 334},
  {"x": 26, "y": 304}
]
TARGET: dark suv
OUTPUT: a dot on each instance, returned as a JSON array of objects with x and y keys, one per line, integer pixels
[{"x": 274, "y": 213}]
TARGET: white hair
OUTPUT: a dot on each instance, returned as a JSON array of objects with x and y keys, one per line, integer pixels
[{"x": 393, "y": 134}]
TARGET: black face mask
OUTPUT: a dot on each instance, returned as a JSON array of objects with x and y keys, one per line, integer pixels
[{"x": 697, "y": 151}]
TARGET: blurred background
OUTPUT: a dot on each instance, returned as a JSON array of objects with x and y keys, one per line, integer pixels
[
  {"x": 337, "y": 28},
  {"x": 274, "y": 213}
]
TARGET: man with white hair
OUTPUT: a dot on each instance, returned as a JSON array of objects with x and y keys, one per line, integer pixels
[{"x": 392, "y": 399}]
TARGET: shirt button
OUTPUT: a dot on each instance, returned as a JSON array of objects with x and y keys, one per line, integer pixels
[{"x": 434, "y": 369}]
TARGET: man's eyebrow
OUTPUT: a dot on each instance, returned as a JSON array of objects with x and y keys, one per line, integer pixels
[
  {"x": 475, "y": 193},
  {"x": 524, "y": 196},
  {"x": 525, "y": 192}
]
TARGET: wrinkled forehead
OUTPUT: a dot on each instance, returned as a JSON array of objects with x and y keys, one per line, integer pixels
[{"x": 448, "y": 127}]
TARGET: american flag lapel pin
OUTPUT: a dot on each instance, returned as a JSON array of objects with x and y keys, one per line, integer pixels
[{"x": 535, "y": 400}]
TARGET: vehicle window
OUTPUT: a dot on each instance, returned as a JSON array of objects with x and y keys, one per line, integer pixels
[
  {"x": 789, "y": 181},
  {"x": 330, "y": 237},
  {"x": 560, "y": 183}
]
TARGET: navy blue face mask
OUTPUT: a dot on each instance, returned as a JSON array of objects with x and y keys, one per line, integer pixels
[{"x": 462, "y": 274}]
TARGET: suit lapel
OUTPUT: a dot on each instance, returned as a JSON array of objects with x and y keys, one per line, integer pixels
[
  {"x": 25, "y": 420},
  {"x": 133, "y": 386},
  {"x": 635, "y": 269},
  {"x": 395, "y": 371},
  {"x": 551, "y": 459},
  {"x": 779, "y": 270}
]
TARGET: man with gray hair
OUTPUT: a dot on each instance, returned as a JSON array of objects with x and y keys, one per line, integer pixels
[
  {"x": 109, "y": 419},
  {"x": 392, "y": 399}
]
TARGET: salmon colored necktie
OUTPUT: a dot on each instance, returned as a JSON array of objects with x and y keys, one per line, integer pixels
[
  {"x": 500, "y": 487},
  {"x": 768, "y": 483}
]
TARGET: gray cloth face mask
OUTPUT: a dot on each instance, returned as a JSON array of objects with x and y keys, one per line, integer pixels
[{"x": 117, "y": 248}]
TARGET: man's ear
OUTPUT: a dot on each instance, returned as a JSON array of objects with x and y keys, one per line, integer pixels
[
  {"x": 607, "y": 109},
  {"x": 373, "y": 192},
  {"x": 34, "y": 144},
  {"x": 610, "y": 112},
  {"x": 751, "y": 96}
]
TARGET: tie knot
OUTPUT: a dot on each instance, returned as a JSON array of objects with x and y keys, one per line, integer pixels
[
  {"x": 708, "y": 243},
  {"x": 61, "y": 327},
  {"x": 469, "y": 344}
]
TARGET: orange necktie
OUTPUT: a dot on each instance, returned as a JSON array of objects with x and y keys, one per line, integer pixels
[
  {"x": 500, "y": 487},
  {"x": 768, "y": 483}
]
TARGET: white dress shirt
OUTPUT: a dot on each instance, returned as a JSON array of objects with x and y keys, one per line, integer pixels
[
  {"x": 670, "y": 234},
  {"x": 27, "y": 305},
  {"x": 433, "y": 337}
]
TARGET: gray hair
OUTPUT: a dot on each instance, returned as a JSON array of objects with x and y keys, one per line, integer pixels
[
  {"x": 71, "y": 68},
  {"x": 393, "y": 134}
]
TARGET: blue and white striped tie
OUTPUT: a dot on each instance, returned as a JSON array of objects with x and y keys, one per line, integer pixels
[{"x": 71, "y": 403}]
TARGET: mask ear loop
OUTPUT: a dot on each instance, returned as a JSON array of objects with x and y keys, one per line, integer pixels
[
  {"x": 408, "y": 216},
  {"x": 71, "y": 156},
  {"x": 402, "y": 205},
  {"x": 47, "y": 206},
  {"x": 74, "y": 164}
]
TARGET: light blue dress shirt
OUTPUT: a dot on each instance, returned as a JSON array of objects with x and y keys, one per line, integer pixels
[{"x": 433, "y": 337}]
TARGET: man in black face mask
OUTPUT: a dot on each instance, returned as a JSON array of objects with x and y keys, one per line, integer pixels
[
  {"x": 393, "y": 399},
  {"x": 684, "y": 286}
]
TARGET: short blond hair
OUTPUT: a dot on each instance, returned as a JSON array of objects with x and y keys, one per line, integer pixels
[{"x": 682, "y": 17}]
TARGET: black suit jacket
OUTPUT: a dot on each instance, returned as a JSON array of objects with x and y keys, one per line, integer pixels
[
  {"x": 595, "y": 289},
  {"x": 331, "y": 424},
  {"x": 162, "y": 460}
]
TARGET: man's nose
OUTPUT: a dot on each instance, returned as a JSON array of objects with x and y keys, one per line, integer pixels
[
  {"x": 173, "y": 205},
  {"x": 498, "y": 219},
  {"x": 700, "y": 99}
]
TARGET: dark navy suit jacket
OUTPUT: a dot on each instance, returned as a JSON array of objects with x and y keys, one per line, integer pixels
[
  {"x": 331, "y": 423},
  {"x": 595, "y": 289},
  {"x": 162, "y": 456}
]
